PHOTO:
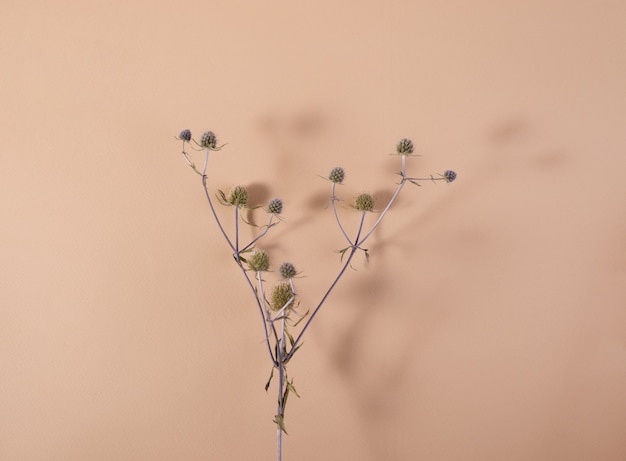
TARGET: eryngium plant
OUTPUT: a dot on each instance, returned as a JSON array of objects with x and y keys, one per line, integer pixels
[{"x": 283, "y": 322}]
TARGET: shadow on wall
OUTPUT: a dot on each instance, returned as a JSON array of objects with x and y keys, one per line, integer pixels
[{"x": 380, "y": 382}]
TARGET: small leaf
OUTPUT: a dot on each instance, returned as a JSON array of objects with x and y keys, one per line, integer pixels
[
  {"x": 342, "y": 252},
  {"x": 240, "y": 258},
  {"x": 222, "y": 198},
  {"x": 292, "y": 388},
  {"x": 280, "y": 422},
  {"x": 293, "y": 351},
  {"x": 301, "y": 318},
  {"x": 267, "y": 385}
]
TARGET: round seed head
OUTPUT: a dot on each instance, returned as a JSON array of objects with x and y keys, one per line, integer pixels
[
  {"x": 275, "y": 206},
  {"x": 185, "y": 135},
  {"x": 281, "y": 294},
  {"x": 364, "y": 202},
  {"x": 405, "y": 147},
  {"x": 449, "y": 175},
  {"x": 336, "y": 175},
  {"x": 259, "y": 261},
  {"x": 287, "y": 270},
  {"x": 238, "y": 196},
  {"x": 208, "y": 140}
]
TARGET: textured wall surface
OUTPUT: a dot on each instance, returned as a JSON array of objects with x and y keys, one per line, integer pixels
[{"x": 490, "y": 322}]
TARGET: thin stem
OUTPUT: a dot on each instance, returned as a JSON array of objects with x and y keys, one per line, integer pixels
[
  {"x": 189, "y": 162},
  {"x": 265, "y": 315},
  {"x": 262, "y": 234},
  {"x": 206, "y": 161},
  {"x": 334, "y": 199},
  {"x": 382, "y": 215},
  {"x": 355, "y": 247},
  {"x": 280, "y": 409},
  {"x": 237, "y": 258},
  {"x": 237, "y": 254},
  {"x": 217, "y": 220}
]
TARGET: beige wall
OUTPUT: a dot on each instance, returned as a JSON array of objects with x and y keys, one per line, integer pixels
[{"x": 490, "y": 323}]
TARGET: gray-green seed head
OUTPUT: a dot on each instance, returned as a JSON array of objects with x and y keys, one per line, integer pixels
[
  {"x": 405, "y": 147},
  {"x": 259, "y": 261},
  {"x": 449, "y": 175},
  {"x": 336, "y": 175},
  {"x": 287, "y": 270},
  {"x": 208, "y": 140},
  {"x": 275, "y": 206},
  {"x": 281, "y": 294},
  {"x": 364, "y": 202},
  {"x": 185, "y": 135},
  {"x": 238, "y": 196}
]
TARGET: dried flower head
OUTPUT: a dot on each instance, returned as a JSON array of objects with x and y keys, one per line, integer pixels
[
  {"x": 364, "y": 202},
  {"x": 281, "y": 295},
  {"x": 287, "y": 270},
  {"x": 185, "y": 135},
  {"x": 238, "y": 196},
  {"x": 449, "y": 176},
  {"x": 405, "y": 147},
  {"x": 336, "y": 175},
  {"x": 275, "y": 206},
  {"x": 208, "y": 140},
  {"x": 259, "y": 261}
]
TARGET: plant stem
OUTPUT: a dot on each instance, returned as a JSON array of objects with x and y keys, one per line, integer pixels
[
  {"x": 280, "y": 412},
  {"x": 334, "y": 199},
  {"x": 355, "y": 247},
  {"x": 382, "y": 215},
  {"x": 238, "y": 259}
]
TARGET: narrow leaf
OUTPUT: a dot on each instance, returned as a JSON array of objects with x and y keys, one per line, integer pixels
[
  {"x": 222, "y": 198},
  {"x": 301, "y": 318},
  {"x": 291, "y": 387},
  {"x": 280, "y": 422},
  {"x": 291, "y": 340},
  {"x": 267, "y": 385}
]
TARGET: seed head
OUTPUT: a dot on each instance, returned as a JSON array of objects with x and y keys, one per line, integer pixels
[
  {"x": 336, "y": 175},
  {"x": 185, "y": 135},
  {"x": 405, "y": 147},
  {"x": 287, "y": 270},
  {"x": 449, "y": 176},
  {"x": 259, "y": 261},
  {"x": 281, "y": 294},
  {"x": 208, "y": 140},
  {"x": 238, "y": 196},
  {"x": 275, "y": 206},
  {"x": 364, "y": 202}
]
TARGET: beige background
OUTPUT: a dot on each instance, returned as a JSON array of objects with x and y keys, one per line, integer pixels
[{"x": 490, "y": 323}]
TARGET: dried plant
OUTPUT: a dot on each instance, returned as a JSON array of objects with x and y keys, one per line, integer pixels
[{"x": 284, "y": 323}]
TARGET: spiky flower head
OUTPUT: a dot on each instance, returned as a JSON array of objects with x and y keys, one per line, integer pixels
[
  {"x": 185, "y": 135},
  {"x": 405, "y": 147},
  {"x": 208, "y": 140},
  {"x": 275, "y": 206},
  {"x": 449, "y": 176},
  {"x": 238, "y": 196},
  {"x": 281, "y": 294},
  {"x": 259, "y": 261},
  {"x": 336, "y": 175},
  {"x": 364, "y": 202},
  {"x": 287, "y": 270}
]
